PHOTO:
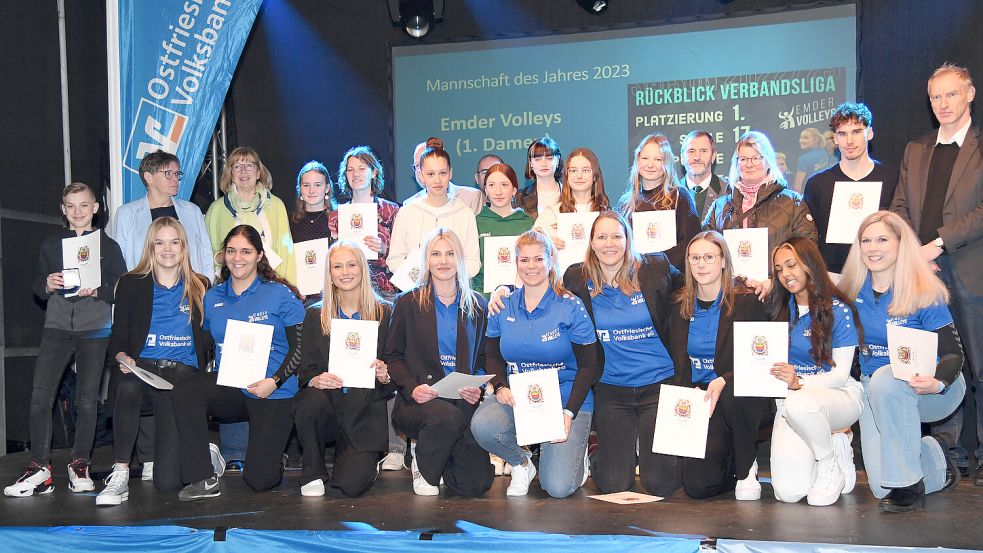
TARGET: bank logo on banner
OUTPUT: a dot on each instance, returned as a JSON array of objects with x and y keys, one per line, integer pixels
[{"x": 154, "y": 128}]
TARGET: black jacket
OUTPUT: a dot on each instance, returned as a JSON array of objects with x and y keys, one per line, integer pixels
[
  {"x": 746, "y": 308},
  {"x": 412, "y": 352},
  {"x": 361, "y": 413},
  {"x": 657, "y": 279}
]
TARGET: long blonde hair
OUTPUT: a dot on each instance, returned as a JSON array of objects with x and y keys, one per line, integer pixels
[
  {"x": 536, "y": 238},
  {"x": 369, "y": 303},
  {"x": 914, "y": 285},
  {"x": 264, "y": 180},
  {"x": 424, "y": 283},
  {"x": 666, "y": 194},
  {"x": 686, "y": 296},
  {"x": 626, "y": 279},
  {"x": 195, "y": 284}
]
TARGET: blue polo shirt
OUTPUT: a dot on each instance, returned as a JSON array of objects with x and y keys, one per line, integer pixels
[
  {"x": 447, "y": 332},
  {"x": 701, "y": 344},
  {"x": 634, "y": 356},
  {"x": 169, "y": 336},
  {"x": 875, "y": 318},
  {"x": 800, "y": 330},
  {"x": 264, "y": 302},
  {"x": 544, "y": 338}
]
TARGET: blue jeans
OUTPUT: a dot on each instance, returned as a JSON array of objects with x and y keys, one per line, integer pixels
[
  {"x": 234, "y": 436},
  {"x": 561, "y": 466},
  {"x": 895, "y": 453}
]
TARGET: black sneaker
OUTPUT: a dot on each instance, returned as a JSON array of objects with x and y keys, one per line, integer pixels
[{"x": 203, "y": 489}]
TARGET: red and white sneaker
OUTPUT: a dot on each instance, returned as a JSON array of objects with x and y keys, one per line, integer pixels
[
  {"x": 78, "y": 477},
  {"x": 36, "y": 480}
]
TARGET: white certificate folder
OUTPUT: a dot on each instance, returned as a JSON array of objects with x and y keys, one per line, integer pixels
[
  {"x": 245, "y": 353},
  {"x": 353, "y": 349},
  {"x": 538, "y": 407},
  {"x": 758, "y": 346},
  {"x": 681, "y": 422}
]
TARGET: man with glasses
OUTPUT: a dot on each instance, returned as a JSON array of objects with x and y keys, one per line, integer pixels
[
  {"x": 472, "y": 197},
  {"x": 161, "y": 173}
]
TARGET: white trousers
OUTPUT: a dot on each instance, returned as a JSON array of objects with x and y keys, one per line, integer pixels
[{"x": 802, "y": 434}]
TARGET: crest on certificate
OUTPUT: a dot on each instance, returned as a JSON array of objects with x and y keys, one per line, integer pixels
[
  {"x": 683, "y": 408},
  {"x": 904, "y": 355},
  {"x": 504, "y": 255},
  {"x": 856, "y": 201},
  {"x": 356, "y": 221},
  {"x": 310, "y": 258},
  {"x": 744, "y": 248},
  {"x": 414, "y": 273},
  {"x": 353, "y": 341},
  {"x": 577, "y": 231},
  {"x": 652, "y": 231},
  {"x": 759, "y": 346},
  {"x": 83, "y": 254},
  {"x": 535, "y": 394},
  {"x": 246, "y": 344}
]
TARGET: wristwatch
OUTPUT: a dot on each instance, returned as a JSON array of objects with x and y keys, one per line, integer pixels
[
  {"x": 276, "y": 380},
  {"x": 938, "y": 243}
]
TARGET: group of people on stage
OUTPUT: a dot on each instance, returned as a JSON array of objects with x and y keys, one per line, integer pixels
[{"x": 615, "y": 326}]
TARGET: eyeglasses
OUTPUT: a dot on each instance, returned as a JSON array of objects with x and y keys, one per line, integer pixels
[
  {"x": 240, "y": 167},
  {"x": 707, "y": 258},
  {"x": 481, "y": 172},
  {"x": 170, "y": 174},
  {"x": 752, "y": 161},
  {"x": 586, "y": 171}
]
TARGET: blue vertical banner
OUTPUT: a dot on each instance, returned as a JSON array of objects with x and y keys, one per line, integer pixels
[{"x": 170, "y": 65}]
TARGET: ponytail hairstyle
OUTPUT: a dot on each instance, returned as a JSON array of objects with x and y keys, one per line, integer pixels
[
  {"x": 536, "y": 238},
  {"x": 263, "y": 268}
]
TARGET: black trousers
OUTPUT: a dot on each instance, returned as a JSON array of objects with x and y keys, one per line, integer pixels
[
  {"x": 731, "y": 445},
  {"x": 445, "y": 446},
  {"x": 317, "y": 425},
  {"x": 624, "y": 417},
  {"x": 58, "y": 347},
  {"x": 131, "y": 393},
  {"x": 270, "y": 422}
]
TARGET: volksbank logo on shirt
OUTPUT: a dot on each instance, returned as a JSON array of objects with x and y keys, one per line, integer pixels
[
  {"x": 604, "y": 335},
  {"x": 151, "y": 340}
]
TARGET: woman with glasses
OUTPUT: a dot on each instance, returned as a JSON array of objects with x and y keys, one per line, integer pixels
[
  {"x": 894, "y": 286},
  {"x": 810, "y": 456},
  {"x": 543, "y": 167},
  {"x": 361, "y": 180},
  {"x": 627, "y": 296},
  {"x": 759, "y": 196},
  {"x": 701, "y": 342},
  {"x": 583, "y": 191},
  {"x": 653, "y": 185},
  {"x": 248, "y": 199}
]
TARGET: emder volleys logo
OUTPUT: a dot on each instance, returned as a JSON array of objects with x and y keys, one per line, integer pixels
[{"x": 154, "y": 128}]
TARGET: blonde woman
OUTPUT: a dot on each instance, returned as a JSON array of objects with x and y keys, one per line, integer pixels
[
  {"x": 436, "y": 329},
  {"x": 541, "y": 326},
  {"x": 325, "y": 409},
  {"x": 161, "y": 297},
  {"x": 654, "y": 186},
  {"x": 893, "y": 285}
]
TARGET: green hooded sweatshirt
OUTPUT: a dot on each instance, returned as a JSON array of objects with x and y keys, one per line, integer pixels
[{"x": 492, "y": 224}]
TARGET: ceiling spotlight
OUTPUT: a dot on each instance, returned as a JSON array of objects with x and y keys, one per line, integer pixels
[
  {"x": 595, "y": 7},
  {"x": 416, "y": 17}
]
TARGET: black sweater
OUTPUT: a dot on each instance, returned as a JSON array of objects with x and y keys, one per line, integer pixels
[
  {"x": 360, "y": 413},
  {"x": 412, "y": 352},
  {"x": 746, "y": 307}
]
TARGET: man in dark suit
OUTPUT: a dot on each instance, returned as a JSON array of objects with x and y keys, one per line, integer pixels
[
  {"x": 940, "y": 194},
  {"x": 699, "y": 155}
]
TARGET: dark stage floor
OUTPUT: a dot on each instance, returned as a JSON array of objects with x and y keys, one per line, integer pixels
[{"x": 951, "y": 519}]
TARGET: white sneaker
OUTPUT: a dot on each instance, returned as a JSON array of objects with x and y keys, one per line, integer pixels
[
  {"x": 35, "y": 480},
  {"x": 844, "y": 458},
  {"x": 147, "y": 472},
  {"x": 522, "y": 476},
  {"x": 393, "y": 461},
  {"x": 314, "y": 488},
  {"x": 828, "y": 485},
  {"x": 420, "y": 484},
  {"x": 78, "y": 477},
  {"x": 748, "y": 488},
  {"x": 117, "y": 488},
  {"x": 218, "y": 462}
]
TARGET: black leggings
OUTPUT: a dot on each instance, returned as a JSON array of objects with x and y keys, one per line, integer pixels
[
  {"x": 317, "y": 425},
  {"x": 270, "y": 422},
  {"x": 127, "y": 423}
]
